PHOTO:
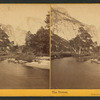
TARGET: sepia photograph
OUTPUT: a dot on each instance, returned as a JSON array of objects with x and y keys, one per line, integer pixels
[
  {"x": 24, "y": 46},
  {"x": 75, "y": 46}
]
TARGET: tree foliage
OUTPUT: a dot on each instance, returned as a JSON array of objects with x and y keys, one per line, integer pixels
[
  {"x": 4, "y": 42},
  {"x": 82, "y": 43},
  {"x": 38, "y": 43},
  {"x": 47, "y": 21}
]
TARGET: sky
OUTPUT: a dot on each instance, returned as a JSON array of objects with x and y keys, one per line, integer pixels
[
  {"x": 27, "y": 17},
  {"x": 86, "y": 13},
  {"x": 14, "y": 14},
  {"x": 32, "y": 16}
]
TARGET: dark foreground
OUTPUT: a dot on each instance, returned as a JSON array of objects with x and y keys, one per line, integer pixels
[
  {"x": 68, "y": 73},
  {"x": 17, "y": 76}
]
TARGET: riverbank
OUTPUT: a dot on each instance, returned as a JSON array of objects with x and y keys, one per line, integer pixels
[
  {"x": 39, "y": 62},
  {"x": 57, "y": 55},
  {"x": 79, "y": 57}
]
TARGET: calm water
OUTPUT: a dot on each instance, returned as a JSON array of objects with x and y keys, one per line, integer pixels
[
  {"x": 67, "y": 73},
  {"x": 17, "y": 76}
]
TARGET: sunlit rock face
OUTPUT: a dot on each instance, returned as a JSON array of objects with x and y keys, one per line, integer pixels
[
  {"x": 67, "y": 27},
  {"x": 18, "y": 33}
]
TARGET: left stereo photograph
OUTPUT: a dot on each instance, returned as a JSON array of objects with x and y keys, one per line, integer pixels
[{"x": 24, "y": 46}]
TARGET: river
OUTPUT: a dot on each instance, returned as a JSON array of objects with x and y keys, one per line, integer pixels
[
  {"x": 68, "y": 73},
  {"x": 18, "y": 76}
]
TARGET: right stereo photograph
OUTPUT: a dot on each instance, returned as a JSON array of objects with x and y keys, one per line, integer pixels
[{"x": 75, "y": 46}]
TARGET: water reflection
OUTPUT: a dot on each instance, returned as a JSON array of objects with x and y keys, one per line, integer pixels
[
  {"x": 17, "y": 76},
  {"x": 72, "y": 73}
]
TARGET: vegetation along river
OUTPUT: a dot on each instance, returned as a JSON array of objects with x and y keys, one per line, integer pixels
[
  {"x": 68, "y": 73},
  {"x": 18, "y": 76}
]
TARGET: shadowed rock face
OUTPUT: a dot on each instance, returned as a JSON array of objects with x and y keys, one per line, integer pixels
[{"x": 65, "y": 26}]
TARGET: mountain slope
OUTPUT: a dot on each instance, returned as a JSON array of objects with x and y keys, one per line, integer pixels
[
  {"x": 18, "y": 33},
  {"x": 67, "y": 27},
  {"x": 70, "y": 35}
]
